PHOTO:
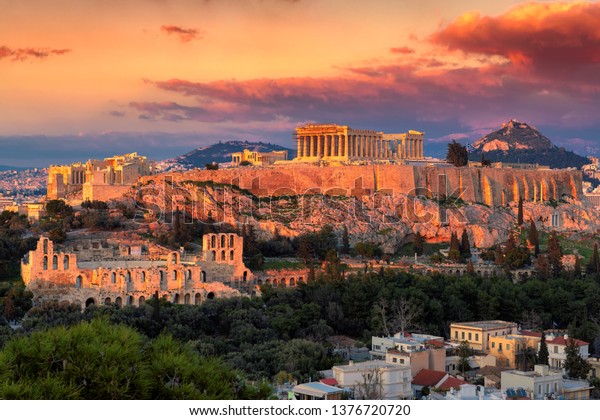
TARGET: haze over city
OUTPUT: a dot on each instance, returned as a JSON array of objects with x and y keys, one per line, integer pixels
[{"x": 90, "y": 79}]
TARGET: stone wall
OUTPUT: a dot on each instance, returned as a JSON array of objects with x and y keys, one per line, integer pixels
[
  {"x": 107, "y": 278},
  {"x": 490, "y": 186}
]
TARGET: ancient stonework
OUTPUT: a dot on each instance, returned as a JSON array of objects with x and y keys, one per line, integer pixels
[
  {"x": 489, "y": 186},
  {"x": 98, "y": 179},
  {"x": 96, "y": 272}
]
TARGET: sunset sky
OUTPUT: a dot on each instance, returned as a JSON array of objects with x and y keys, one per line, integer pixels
[{"x": 91, "y": 78}]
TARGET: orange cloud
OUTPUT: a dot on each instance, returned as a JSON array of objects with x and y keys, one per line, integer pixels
[
  {"x": 551, "y": 37},
  {"x": 184, "y": 34},
  {"x": 402, "y": 50},
  {"x": 22, "y": 54}
]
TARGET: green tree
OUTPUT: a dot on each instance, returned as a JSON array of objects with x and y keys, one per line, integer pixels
[
  {"x": 457, "y": 154},
  {"x": 533, "y": 238},
  {"x": 575, "y": 366},
  {"x": 98, "y": 360},
  {"x": 593, "y": 266},
  {"x": 520, "y": 212},
  {"x": 418, "y": 243},
  {"x": 555, "y": 254},
  {"x": 543, "y": 354},
  {"x": 465, "y": 246},
  {"x": 345, "y": 241},
  {"x": 464, "y": 352},
  {"x": 454, "y": 252}
]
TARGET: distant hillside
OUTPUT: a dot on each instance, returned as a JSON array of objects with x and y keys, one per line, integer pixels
[
  {"x": 218, "y": 152},
  {"x": 520, "y": 142},
  {"x": 11, "y": 168}
]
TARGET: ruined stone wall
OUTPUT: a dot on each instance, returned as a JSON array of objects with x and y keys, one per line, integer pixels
[
  {"x": 491, "y": 186},
  {"x": 62, "y": 276},
  {"x": 93, "y": 192}
]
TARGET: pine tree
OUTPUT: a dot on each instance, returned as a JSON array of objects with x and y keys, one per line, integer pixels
[
  {"x": 575, "y": 366},
  {"x": 543, "y": 354},
  {"x": 555, "y": 254},
  {"x": 520, "y": 213},
  {"x": 534, "y": 239},
  {"x": 594, "y": 264},
  {"x": 465, "y": 246}
]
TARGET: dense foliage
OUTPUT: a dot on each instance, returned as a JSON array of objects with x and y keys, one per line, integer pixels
[{"x": 99, "y": 360}]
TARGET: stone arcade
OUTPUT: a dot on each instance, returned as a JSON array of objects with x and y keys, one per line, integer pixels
[{"x": 96, "y": 272}]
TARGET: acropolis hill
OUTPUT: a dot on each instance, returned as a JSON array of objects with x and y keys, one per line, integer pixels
[{"x": 490, "y": 186}]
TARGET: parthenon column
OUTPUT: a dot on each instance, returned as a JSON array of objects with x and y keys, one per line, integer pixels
[
  {"x": 319, "y": 149},
  {"x": 346, "y": 144},
  {"x": 299, "y": 148},
  {"x": 305, "y": 146},
  {"x": 422, "y": 154}
]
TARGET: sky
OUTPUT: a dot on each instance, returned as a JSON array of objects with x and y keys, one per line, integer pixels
[{"x": 93, "y": 78}]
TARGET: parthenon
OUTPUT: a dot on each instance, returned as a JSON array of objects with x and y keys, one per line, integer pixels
[{"x": 341, "y": 143}]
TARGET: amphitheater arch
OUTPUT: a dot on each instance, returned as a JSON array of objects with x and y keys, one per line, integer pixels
[
  {"x": 292, "y": 282},
  {"x": 187, "y": 299},
  {"x": 55, "y": 262},
  {"x": 176, "y": 298},
  {"x": 90, "y": 302},
  {"x": 141, "y": 300},
  {"x": 231, "y": 239},
  {"x": 197, "y": 299},
  {"x": 107, "y": 301},
  {"x": 66, "y": 262},
  {"x": 222, "y": 255},
  {"x": 210, "y": 295},
  {"x": 119, "y": 301},
  {"x": 222, "y": 241},
  {"x": 78, "y": 282},
  {"x": 213, "y": 241}
]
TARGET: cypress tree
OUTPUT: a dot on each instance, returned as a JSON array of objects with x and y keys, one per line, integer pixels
[
  {"x": 418, "y": 244},
  {"x": 555, "y": 254},
  {"x": 577, "y": 268},
  {"x": 543, "y": 353},
  {"x": 465, "y": 246},
  {"x": 534, "y": 239},
  {"x": 520, "y": 212},
  {"x": 345, "y": 241},
  {"x": 594, "y": 264},
  {"x": 454, "y": 252}
]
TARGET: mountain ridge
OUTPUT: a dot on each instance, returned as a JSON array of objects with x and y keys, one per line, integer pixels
[
  {"x": 519, "y": 142},
  {"x": 216, "y": 153}
]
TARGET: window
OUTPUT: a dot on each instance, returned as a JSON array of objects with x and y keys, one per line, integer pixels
[
  {"x": 456, "y": 335},
  {"x": 223, "y": 241},
  {"x": 556, "y": 349},
  {"x": 470, "y": 337},
  {"x": 508, "y": 347},
  {"x": 395, "y": 360},
  {"x": 45, "y": 262},
  {"x": 476, "y": 337},
  {"x": 539, "y": 389},
  {"x": 401, "y": 361},
  {"x": 143, "y": 276},
  {"x": 231, "y": 241},
  {"x": 55, "y": 263},
  {"x": 493, "y": 345},
  {"x": 174, "y": 275},
  {"x": 66, "y": 262},
  {"x": 462, "y": 335},
  {"x": 113, "y": 277}
]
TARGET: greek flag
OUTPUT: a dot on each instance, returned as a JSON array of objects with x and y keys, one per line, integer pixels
[{"x": 470, "y": 148}]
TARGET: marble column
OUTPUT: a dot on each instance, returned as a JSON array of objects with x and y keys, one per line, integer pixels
[
  {"x": 346, "y": 144},
  {"x": 319, "y": 149}
]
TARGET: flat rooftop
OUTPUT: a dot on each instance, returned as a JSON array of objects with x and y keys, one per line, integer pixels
[{"x": 486, "y": 325}]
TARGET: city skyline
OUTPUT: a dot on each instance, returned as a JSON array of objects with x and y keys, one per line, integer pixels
[{"x": 87, "y": 79}]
